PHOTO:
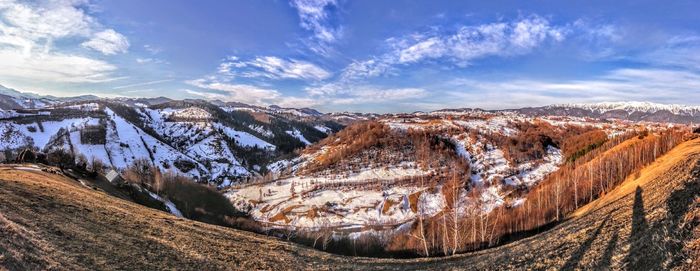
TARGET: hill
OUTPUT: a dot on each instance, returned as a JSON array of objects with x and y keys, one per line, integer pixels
[
  {"x": 51, "y": 222},
  {"x": 377, "y": 182},
  {"x": 216, "y": 144}
]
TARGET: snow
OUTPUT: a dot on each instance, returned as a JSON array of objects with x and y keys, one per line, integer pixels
[
  {"x": 405, "y": 124},
  {"x": 89, "y": 151},
  {"x": 13, "y": 137},
  {"x": 517, "y": 202},
  {"x": 491, "y": 199},
  {"x": 168, "y": 204},
  {"x": 4, "y": 114},
  {"x": 211, "y": 148},
  {"x": 83, "y": 107},
  {"x": 172, "y": 208},
  {"x": 126, "y": 143},
  {"x": 19, "y": 135},
  {"x": 298, "y": 135},
  {"x": 323, "y": 129},
  {"x": 431, "y": 203},
  {"x": 265, "y": 132},
  {"x": 347, "y": 206},
  {"x": 498, "y": 124},
  {"x": 401, "y": 170},
  {"x": 245, "y": 139},
  {"x": 634, "y": 106},
  {"x": 52, "y": 127},
  {"x": 551, "y": 164},
  {"x": 192, "y": 113},
  {"x": 204, "y": 140}
]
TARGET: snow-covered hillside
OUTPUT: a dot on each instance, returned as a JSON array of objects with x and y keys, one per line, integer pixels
[
  {"x": 195, "y": 139},
  {"x": 382, "y": 186}
]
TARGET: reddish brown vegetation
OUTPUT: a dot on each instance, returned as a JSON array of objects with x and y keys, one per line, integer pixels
[
  {"x": 575, "y": 184},
  {"x": 532, "y": 139},
  {"x": 373, "y": 143},
  {"x": 580, "y": 144}
]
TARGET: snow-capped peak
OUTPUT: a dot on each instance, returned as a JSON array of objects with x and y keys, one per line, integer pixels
[{"x": 634, "y": 106}]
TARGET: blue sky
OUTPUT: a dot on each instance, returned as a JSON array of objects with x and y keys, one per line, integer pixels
[{"x": 341, "y": 55}]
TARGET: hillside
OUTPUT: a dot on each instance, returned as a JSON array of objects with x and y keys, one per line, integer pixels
[
  {"x": 48, "y": 221},
  {"x": 221, "y": 145},
  {"x": 376, "y": 181}
]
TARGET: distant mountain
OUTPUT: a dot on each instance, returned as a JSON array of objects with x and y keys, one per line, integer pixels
[
  {"x": 633, "y": 111},
  {"x": 12, "y": 99}
]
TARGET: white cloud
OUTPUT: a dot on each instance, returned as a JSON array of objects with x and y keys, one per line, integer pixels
[
  {"x": 108, "y": 42},
  {"x": 432, "y": 47},
  {"x": 234, "y": 92},
  {"x": 369, "y": 68},
  {"x": 462, "y": 46},
  {"x": 248, "y": 94},
  {"x": 54, "y": 67},
  {"x": 340, "y": 93},
  {"x": 372, "y": 94},
  {"x": 53, "y": 19},
  {"x": 313, "y": 16},
  {"x": 27, "y": 34},
  {"x": 273, "y": 68}
]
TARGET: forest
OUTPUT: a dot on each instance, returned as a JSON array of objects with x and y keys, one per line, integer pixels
[{"x": 578, "y": 182}]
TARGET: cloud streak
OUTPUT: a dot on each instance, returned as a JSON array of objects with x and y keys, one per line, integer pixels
[
  {"x": 314, "y": 16},
  {"x": 661, "y": 85},
  {"x": 273, "y": 68},
  {"x": 143, "y": 84},
  {"x": 461, "y": 47}
]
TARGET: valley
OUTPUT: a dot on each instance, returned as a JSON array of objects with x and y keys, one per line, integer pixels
[
  {"x": 52, "y": 222},
  {"x": 421, "y": 184}
]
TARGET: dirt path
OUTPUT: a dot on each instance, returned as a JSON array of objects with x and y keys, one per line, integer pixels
[{"x": 51, "y": 222}]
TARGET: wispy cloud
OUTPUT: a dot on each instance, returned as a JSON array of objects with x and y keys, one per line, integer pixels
[
  {"x": 661, "y": 85},
  {"x": 152, "y": 49},
  {"x": 28, "y": 31},
  {"x": 681, "y": 52},
  {"x": 462, "y": 46},
  {"x": 233, "y": 92},
  {"x": 143, "y": 84},
  {"x": 340, "y": 93},
  {"x": 314, "y": 15},
  {"x": 273, "y": 68},
  {"x": 54, "y": 67},
  {"x": 151, "y": 60}
]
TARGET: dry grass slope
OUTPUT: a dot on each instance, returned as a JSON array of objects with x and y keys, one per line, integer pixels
[{"x": 51, "y": 222}]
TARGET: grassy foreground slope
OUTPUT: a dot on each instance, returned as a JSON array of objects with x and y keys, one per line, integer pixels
[{"x": 48, "y": 221}]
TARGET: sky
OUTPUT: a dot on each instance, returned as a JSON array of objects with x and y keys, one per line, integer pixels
[{"x": 356, "y": 55}]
